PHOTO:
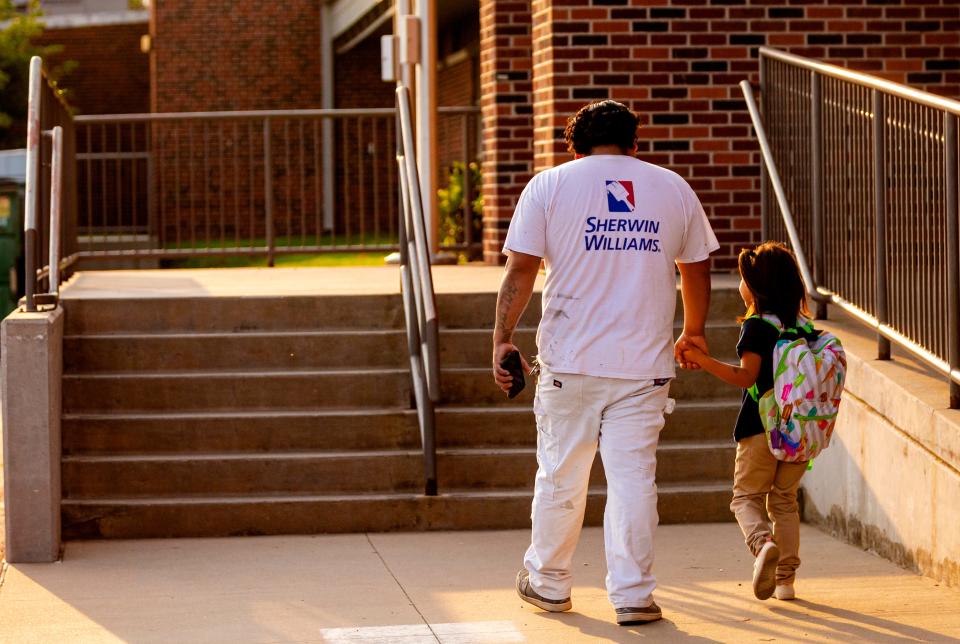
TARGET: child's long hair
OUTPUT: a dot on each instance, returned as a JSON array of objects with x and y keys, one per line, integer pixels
[{"x": 771, "y": 274}]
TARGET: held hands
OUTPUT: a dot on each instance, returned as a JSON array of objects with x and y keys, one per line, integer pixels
[
  {"x": 500, "y": 375},
  {"x": 690, "y": 350}
]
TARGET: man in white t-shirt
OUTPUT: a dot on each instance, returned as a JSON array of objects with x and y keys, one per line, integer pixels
[{"x": 611, "y": 230}]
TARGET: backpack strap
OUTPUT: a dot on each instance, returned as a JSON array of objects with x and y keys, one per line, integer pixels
[
  {"x": 753, "y": 391},
  {"x": 770, "y": 322}
]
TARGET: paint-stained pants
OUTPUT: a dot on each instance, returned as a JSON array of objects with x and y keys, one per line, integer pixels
[
  {"x": 574, "y": 414},
  {"x": 760, "y": 479}
]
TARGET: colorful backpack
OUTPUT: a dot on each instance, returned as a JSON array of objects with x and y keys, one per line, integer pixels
[{"x": 798, "y": 414}]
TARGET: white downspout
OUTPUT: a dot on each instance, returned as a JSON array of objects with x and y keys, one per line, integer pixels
[{"x": 426, "y": 116}]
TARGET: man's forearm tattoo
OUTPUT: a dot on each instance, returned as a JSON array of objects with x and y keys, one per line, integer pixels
[{"x": 505, "y": 302}]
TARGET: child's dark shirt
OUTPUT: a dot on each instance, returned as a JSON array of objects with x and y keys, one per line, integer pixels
[{"x": 760, "y": 337}]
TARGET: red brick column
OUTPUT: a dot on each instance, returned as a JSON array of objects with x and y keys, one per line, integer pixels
[{"x": 505, "y": 70}]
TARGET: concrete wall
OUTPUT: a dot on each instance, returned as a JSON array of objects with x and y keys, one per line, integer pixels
[
  {"x": 890, "y": 481},
  {"x": 31, "y": 387}
]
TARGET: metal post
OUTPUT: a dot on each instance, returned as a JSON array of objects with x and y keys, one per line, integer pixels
[
  {"x": 816, "y": 174},
  {"x": 32, "y": 178},
  {"x": 56, "y": 191},
  {"x": 953, "y": 250},
  {"x": 327, "y": 102},
  {"x": 467, "y": 185},
  {"x": 880, "y": 217},
  {"x": 764, "y": 178},
  {"x": 268, "y": 189}
]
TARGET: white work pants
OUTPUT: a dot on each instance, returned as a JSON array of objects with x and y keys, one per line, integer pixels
[{"x": 574, "y": 414}]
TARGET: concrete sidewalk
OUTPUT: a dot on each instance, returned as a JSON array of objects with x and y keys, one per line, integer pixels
[{"x": 451, "y": 587}]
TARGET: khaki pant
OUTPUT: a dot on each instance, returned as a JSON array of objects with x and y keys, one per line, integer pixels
[{"x": 760, "y": 479}]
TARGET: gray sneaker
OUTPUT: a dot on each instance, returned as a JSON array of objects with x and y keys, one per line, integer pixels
[
  {"x": 626, "y": 616},
  {"x": 529, "y": 595}
]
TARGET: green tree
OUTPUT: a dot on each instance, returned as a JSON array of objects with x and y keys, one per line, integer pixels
[{"x": 19, "y": 31}]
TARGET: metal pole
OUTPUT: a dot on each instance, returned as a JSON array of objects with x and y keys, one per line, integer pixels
[
  {"x": 56, "y": 191},
  {"x": 426, "y": 113},
  {"x": 953, "y": 250},
  {"x": 880, "y": 217},
  {"x": 32, "y": 178},
  {"x": 327, "y": 102},
  {"x": 467, "y": 185},
  {"x": 816, "y": 174},
  {"x": 764, "y": 177},
  {"x": 268, "y": 189}
]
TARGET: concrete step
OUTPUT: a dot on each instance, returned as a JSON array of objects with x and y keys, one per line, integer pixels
[
  {"x": 474, "y": 386},
  {"x": 353, "y": 471},
  {"x": 472, "y": 347},
  {"x": 227, "y": 314},
  {"x": 339, "y": 429},
  {"x": 309, "y": 389},
  {"x": 126, "y": 352},
  {"x": 236, "y": 390},
  {"x": 204, "y": 516},
  {"x": 478, "y": 309}
]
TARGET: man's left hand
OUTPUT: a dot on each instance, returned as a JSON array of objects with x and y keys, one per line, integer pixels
[{"x": 685, "y": 342}]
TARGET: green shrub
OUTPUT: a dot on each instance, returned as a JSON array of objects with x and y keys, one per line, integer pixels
[{"x": 451, "y": 204}]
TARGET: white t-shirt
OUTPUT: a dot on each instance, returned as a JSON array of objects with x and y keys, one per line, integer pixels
[{"x": 610, "y": 228}]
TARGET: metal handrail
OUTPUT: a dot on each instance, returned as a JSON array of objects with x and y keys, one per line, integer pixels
[
  {"x": 35, "y": 134},
  {"x": 865, "y": 80},
  {"x": 56, "y": 192},
  {"x": 886, "y": 333},
  {"x": 234, "y": 114},
  {"x": 419, "y": 300},
  {"x": 30, "y": 232}
]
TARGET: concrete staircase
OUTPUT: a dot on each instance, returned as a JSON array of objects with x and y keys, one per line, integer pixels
[{"x": 227, "y": 415}]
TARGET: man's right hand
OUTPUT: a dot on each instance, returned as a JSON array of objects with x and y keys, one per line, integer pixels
[{"x": 500, "y": 375}]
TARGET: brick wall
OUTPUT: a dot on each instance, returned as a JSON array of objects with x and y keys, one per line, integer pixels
[
  {"x": 235, "y": 55},
  {"x": 507, "y": 108},
  {"x": 678, "y": 63},
  {"x": 112, "y": 75}
]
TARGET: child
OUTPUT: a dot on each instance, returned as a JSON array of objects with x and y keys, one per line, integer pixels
[{"x": 770, "y": 283}]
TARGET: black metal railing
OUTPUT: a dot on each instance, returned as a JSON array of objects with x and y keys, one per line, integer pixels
[
  {"x": 419, "y": 301},
  {"x": 864, "y": 174}
]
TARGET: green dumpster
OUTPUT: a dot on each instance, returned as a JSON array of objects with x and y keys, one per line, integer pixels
[{"x": 11, "y": 245}]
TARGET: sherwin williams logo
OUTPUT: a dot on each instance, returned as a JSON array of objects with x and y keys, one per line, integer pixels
[{"x": 620, "y": 196}]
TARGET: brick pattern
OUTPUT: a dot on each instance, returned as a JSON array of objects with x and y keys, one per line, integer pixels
[
  {"x": 506, "y": 68},
  {"x": 678, "y": 63},
  {"x": 112, "y": 75}
]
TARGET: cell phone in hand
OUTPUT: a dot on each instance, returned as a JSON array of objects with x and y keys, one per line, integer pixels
[{"x": 514, "y": 365}]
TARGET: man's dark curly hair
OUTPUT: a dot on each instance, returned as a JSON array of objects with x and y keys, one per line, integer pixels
[{"x": 604, "y": 123}]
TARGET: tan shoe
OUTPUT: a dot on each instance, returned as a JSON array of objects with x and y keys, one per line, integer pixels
[
  {"x": 765, "y": 570},
  {"x": 529, "y": 595},
  {"x": 785, "y": 592}
]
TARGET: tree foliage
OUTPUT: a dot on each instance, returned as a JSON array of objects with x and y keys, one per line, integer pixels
[{"x": 19, "y": 31}]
